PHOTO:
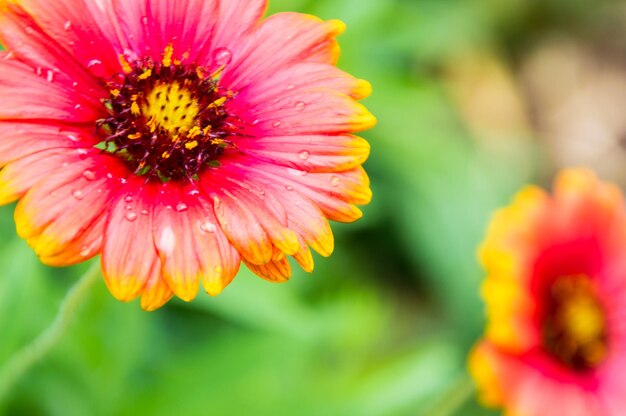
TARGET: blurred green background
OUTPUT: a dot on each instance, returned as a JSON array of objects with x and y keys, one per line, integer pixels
[{"x": 474, "y": 98}]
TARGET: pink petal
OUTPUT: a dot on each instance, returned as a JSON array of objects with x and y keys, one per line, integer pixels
[
  {"x": 308, "y": 111},
  {"x": 304, "y": 76},
  {"x": 313, "y": 153},
  {"x": 75, "y": 25},
  {"x": 282, "y": 40},
  {"x": 253, "y": 221},
  {"x": 150, "y": 26},
  {"x": 18, "y": 140},
  {"x": 25, "y": 36},
  {"x": 21, "y": 88},
  {"x": 129, "y": 254},
  {"x": 62, "y": 216},
  {"x": 17, "y": 177},
  {"x": 190, "y": 243}
]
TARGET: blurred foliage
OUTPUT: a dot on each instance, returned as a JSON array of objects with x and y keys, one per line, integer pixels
[{"x": 384, "y": 325}]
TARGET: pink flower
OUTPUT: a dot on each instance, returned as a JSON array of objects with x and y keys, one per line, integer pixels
[
  {"x": 556, "y": 296},
  {"x": 177, "y": 138}
]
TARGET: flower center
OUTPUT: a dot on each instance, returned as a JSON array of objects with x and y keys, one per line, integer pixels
[
  {"x": 575, "y": 325},
  {"x": 167, "y": 120}
]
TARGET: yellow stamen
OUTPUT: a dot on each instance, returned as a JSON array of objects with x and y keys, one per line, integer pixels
[
  {"x": 125, "y": 65},
  {"x": 135, "y": 136},
  {"x": 191, "y": 145},
  {"x": 147, "y": 74},
  {"x": 134, "y": 108},
  {"x": 167, "y": 55}
]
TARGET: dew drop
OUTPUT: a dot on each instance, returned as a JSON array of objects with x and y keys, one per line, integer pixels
[
  {"x": 208, "y": 227},
  {"x": 296, "y": 172},
  {"x": 67, "y": 26},
  {"x": 144, "y": 212},
  {"x": 276, "y": 124},
  {"x": 73, "y": 138},
  {"x": 96, "y": 67},
  {"x": 93, "y": 63},
  {"x": 90, "y": 175},
  {"x": 50, "y": 76},
  {"x": 85, "y": 251},
  {"x": 299, "y": 106},
  {"x": 335, "y": 181},
  {"x": 304, "y": 155},
  {"x": 181, "y": 207},
  {"x": 78, "y": 194},
  {"x": 290, "y": 87},
  {"x": 131, "y": 216},
  {"x": 289, "y": 188},
  {"x": 74, "y": 84},
  {"x": 144, "y": 20},
  {"x": 128, "y": 207},
  {"x": 128, "y": 198},
  {"x": 78, "y": 107},
  {"x": 222, "y": 56},
  {"x": 194, "y": 192}
]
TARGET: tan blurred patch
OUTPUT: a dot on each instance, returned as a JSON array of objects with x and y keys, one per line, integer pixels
[{"x": 577, "y": 94}]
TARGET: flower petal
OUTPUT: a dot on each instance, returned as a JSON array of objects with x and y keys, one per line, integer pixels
[
  {"x": 129, "y": 254},
  {"x": 58, "y": 213},
  {"x": 303, "y": 76},
  {"x": 18, "y": 139},
  {"x": 275, "y": 271},
  {"x": 156, "y": 292},
  {"x": 26, "y": 38},
  {"x": 313, "y": 153},
  {"x": 267, "y": 49},
  {"x": 17, "y": 177},
  {"x": 75, "y": 26},
  {"x": 151, "y": 26},
  {"x": 21, "y": 88},
  {"x": 309, "y": 111}
]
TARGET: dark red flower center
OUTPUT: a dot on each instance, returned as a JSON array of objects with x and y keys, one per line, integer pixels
[
  {"x": 166, "y": 120},
  {"x": 574, "y": 326}
]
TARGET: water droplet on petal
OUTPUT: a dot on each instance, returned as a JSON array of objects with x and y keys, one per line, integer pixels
[
  {"x": 335, "y": 181},
  {"x": 77, "y": 107},
  {"x": 90, "y": 175},
  {"x": 144, "y": 212},
  {"x": 74, "y": 84},
  {"x": 296, "y": 172},
  {"x": 67, "y": 26},
  {"x": 276, "y": 124},
  {"x": 131, "y": 216},
  {"x": 85, "y": 251},
  {"x": 96, "y": 67},
  {"x": 289, "y": 188},
  {"x": 304, "y": 155},
  {"x": 208, "y": 227},
  {"x": 128, "y": 207},
  {"x": 194, "y": 192},
  {"x": 128, "y": 198},
  {"x": 181, "y": 207},
  {"x": 78, "y": 194},
  {"x": 299, "y": 106},
  {"x": 50, "y": 76},
  {"x": 290, "y": 87},
  {"x": 144, "y": 20},
  {"x": 222, "y": 56}
]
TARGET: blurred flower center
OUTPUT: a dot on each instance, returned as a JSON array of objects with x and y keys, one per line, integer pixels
[
  {"x": 575, "y": 324},
  {"x": 166, "y": 120}
]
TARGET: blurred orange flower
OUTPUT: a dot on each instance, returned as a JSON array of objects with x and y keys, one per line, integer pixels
[{"x": 556, "y": 297}]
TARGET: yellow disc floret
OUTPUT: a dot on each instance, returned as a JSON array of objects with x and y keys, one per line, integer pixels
[{"x": 172, "y": 108}]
